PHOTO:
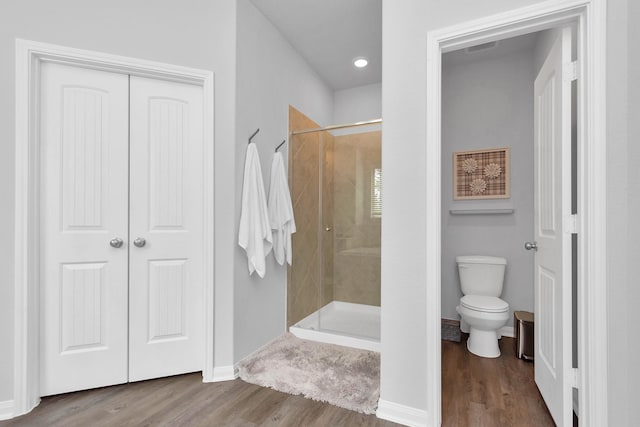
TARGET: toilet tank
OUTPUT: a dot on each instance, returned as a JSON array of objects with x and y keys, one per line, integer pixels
[{"x": 481, "y": 275}]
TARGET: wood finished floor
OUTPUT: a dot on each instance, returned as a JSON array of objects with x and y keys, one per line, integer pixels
[
  {"x": 185, "y": 401},
  {"x": 483, "y": 392},
  {"x": 476, "y": 392}
]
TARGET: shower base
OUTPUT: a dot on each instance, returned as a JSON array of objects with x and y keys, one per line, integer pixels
[{"x": 342, "y": 323}]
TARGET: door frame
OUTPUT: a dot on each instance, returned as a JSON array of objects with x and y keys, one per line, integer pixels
[
  {"x": 590, "y": 17},
  {"x": 29, "y": 56}
]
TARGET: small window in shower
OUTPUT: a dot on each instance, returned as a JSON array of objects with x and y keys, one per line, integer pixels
[{"x": 376, "y": 193}]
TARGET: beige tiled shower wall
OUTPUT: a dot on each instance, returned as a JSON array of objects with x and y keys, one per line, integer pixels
[
  {"x": 356, "y": 258},
  {"x": 304, "y": 293}
]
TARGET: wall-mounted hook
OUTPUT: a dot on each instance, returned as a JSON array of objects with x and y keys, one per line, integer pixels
[
  {"x": 254, "y": 134},
  {"x": 280, "y": 145}
]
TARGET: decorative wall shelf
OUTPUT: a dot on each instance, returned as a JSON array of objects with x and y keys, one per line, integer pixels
[{"x": 481, "y": 211}]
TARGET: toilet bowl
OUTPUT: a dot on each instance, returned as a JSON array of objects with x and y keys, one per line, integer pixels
[
  {"x": 484, "y": 316},
  {"x": 482, "y": 312}
]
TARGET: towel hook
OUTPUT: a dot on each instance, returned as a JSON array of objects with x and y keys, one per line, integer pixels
[
  {"x": 280, "y": 145},
  {"x": 254, "y": 134}
]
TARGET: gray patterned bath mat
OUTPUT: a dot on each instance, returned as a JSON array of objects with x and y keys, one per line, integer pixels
[{"x": 450, "y": 330}]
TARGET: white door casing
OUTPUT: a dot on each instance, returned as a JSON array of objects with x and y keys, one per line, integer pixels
[
  {"x": 552, "y": 200},
  {"x": 591, "y": 19},
  {"x": 166, "y": 280},
  {"x": 83, "y": 190},
  {"x": 29, "y": 59}
]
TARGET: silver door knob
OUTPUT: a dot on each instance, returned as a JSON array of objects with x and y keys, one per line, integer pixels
[
  {"x": 139, "y": 242},
  {"x": 531, "y": 246},
  {"x": 116, "y": 242}
]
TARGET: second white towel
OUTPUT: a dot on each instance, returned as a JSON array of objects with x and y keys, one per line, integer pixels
[{"x": 280, "y": 211}]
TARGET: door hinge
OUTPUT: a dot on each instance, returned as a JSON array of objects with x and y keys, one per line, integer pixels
[
  {"x": 571, "y": 71},
  {"x": 574, "y": 378},
  {"x": 571, "y": 224}
]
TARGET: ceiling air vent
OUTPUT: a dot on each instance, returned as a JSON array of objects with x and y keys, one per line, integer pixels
[{"x": 479, "y": 47}]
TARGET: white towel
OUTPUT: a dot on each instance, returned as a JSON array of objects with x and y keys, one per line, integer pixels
[
  {"x": 280, "y": 211},
  {"x": 254, "y": 235}
]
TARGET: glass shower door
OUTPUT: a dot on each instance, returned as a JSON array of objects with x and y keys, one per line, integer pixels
[
  {"x": 350, "y": 209},
  {"x": 333, "y": 286}
]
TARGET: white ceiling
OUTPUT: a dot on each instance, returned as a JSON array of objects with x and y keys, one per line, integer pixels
[{"x": 329, "y": 34}]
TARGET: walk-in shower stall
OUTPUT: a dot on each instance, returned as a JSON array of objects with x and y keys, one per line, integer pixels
[{"x": 335, "y": 175}]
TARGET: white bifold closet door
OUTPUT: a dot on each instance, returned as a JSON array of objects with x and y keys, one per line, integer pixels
[{"x": 121, "y": 228}]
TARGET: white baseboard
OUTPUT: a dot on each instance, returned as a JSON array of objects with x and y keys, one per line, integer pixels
[
  {"x": 6, "y": 409},
  {"x": 507, "y": 331},
  {"x": 402, "y": 414},
  {"x": 222, "y": 373}
]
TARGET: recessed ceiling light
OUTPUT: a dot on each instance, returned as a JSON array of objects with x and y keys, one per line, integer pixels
[{"x": 360, "y": 62}]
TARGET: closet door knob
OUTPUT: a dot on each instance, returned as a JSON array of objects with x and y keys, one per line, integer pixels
[
  {"x": 531, "y": 246},
  {"x": 116, "y": 242},
  {"x": 139, "y": 242}
]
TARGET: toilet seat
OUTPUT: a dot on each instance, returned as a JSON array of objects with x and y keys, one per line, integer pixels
[{"x": 484, "y": 303}]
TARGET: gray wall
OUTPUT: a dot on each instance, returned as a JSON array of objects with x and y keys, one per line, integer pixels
[
  {"x": 357, "y": 104},
  {"x": 270, "y": 76},
  {"x": 623, "y": 204},
  {"x": 199, "y": 34},
  {"x": 488, "y": 103},
  {"x": 630, "y": 300},
  {"x": 405, "y": 27}
]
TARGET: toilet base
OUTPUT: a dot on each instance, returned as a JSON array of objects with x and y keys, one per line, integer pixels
[{"x": 483, "y": 343}]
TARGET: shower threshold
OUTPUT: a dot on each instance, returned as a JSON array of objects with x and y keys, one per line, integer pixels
[{"x": 342, "y": 323}]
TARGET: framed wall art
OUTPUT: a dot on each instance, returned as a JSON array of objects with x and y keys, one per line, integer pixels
[{"x": 481, "y": 174}]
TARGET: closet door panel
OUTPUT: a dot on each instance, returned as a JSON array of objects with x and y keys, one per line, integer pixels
[
  {"x": 166, "y": 289},
  {"x": 83, "y": 206}
]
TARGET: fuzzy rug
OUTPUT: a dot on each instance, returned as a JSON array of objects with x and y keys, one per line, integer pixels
[{"x": 342, "y": 376}]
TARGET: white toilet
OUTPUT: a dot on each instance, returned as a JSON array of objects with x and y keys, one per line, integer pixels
[{"x": 483, "y": 313}]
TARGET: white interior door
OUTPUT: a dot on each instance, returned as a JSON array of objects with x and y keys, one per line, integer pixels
[
  {"x": 166, "y": 271},
  {"x": 83, "y": 198},
  {"x": 552, "y": 212}
]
